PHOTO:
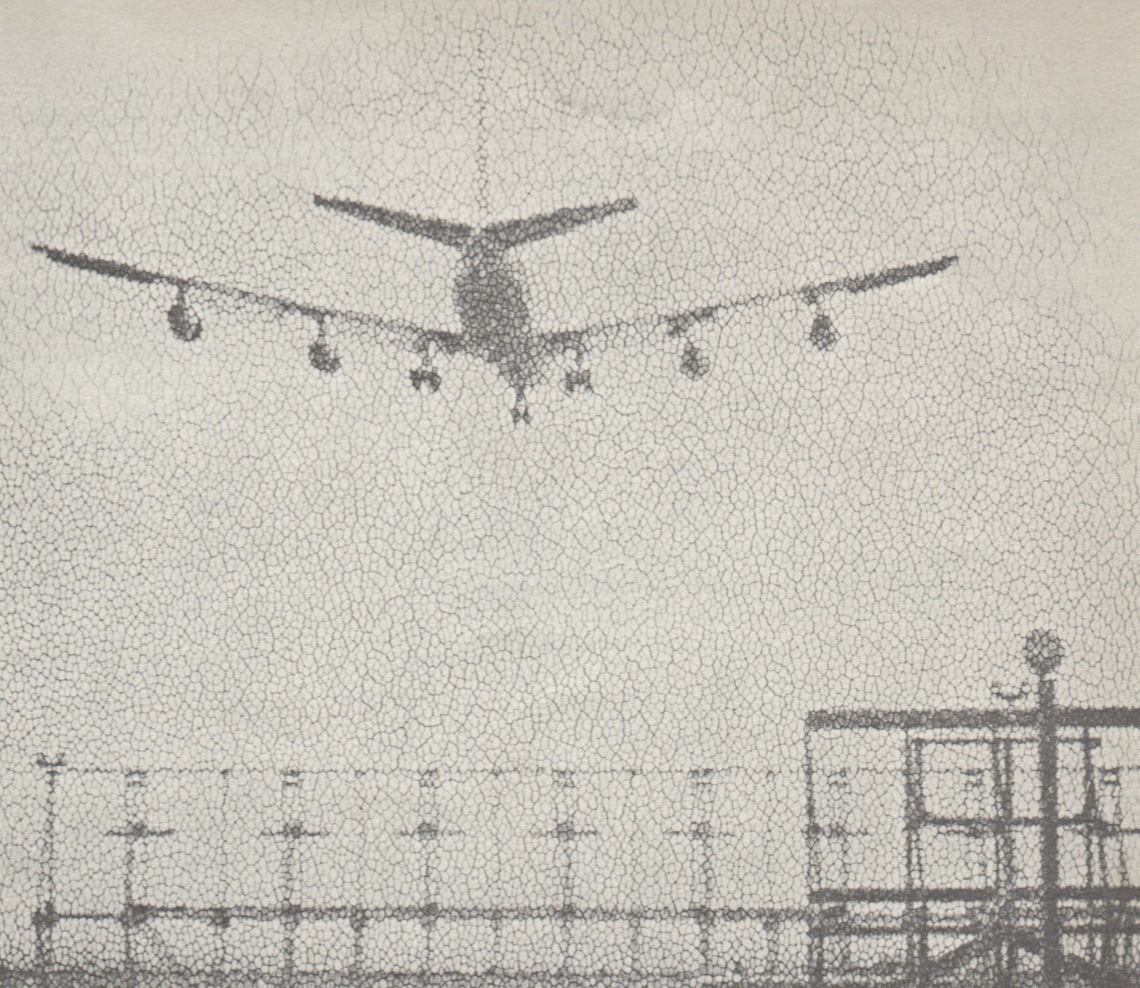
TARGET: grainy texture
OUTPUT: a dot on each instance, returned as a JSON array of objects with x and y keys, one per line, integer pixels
[{"x": 526, "y": 693}]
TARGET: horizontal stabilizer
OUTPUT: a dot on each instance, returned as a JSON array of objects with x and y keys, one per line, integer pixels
[
  {"x": 514, "y": 232},
  {"x": 441, "y": 231}
]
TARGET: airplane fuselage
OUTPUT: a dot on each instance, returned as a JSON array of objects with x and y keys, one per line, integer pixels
[{"x": 491, "y": 300}]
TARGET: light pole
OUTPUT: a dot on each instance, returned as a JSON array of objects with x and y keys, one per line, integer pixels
[{"x": 1043, "y": 653}]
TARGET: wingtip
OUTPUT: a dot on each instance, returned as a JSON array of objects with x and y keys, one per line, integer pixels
[{"x": 51, "y": 253}]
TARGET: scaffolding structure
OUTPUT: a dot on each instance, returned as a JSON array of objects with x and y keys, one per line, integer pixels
[{"x": 974, "y": 847}]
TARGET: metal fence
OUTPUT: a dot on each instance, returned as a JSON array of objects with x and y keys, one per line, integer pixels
[
  {"x": 919, "y": 848},
  {"x": 369, "y": 877}
]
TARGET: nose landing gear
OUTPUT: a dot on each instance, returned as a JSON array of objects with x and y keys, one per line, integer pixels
[
  {"x": 520, "y": 413},
  {"x": 577, "y": 374}
]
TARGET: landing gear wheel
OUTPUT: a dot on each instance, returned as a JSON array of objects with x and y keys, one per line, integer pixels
[
  {"x": 577, "y": 379},
  {"x": 425, "y": 375}
]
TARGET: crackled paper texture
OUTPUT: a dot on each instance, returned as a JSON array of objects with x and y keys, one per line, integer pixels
[{"x": 495, "y": 653}]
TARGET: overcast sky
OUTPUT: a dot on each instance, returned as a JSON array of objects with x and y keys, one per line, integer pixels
[{"x": 215, "y": 554}]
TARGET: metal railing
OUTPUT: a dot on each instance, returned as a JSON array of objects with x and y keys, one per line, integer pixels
[{"x": 368, "y": 876}]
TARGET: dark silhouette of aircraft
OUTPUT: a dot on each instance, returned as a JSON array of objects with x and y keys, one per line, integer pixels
[{"x": 490, "y": 299}]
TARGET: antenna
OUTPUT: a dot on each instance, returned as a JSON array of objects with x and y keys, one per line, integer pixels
[{"x": 482, "y": 182}]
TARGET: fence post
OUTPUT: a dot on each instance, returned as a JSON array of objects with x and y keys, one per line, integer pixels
[
  {"x": 772, "y": 960},
  {"x": 45, "y": 917},
  {"x": 428, "y": 833},
  {"x": 133, "y": 914},
  {"x": 291, "y": 831},
  {"x": 359, "y": 917},
  {"x": 918, "y": 922},
  {"x": 816, "y": 941},
  {"x": 700, "y": 833},
  {"x": 220, "y": 916},
  {"x": 565, "y": 833}
]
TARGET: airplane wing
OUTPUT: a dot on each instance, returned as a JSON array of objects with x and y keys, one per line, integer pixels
[
  {"x": 823, "y": 333},
  {"x": 186, "y": 325}
]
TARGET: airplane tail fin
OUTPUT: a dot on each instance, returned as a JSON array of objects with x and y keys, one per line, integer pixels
[
  {"x": 514, "y": 232},
  {"x": 441, "y": 231}
]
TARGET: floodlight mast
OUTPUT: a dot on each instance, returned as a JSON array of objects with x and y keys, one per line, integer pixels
[{"x": 1043, "y": 654}]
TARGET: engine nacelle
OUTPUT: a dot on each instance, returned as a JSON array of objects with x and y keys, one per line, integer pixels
[
  {"x": 184, "y": 321},
  {"x": 823, "y": 333},
  {"x": 322, "y": 358},
  {"x": 693, "y": 362}
]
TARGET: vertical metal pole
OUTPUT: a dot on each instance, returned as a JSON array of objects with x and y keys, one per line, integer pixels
[
  {"x": 1044, "y": 652},
  {"x": 702, "y": 836},
  {"x": 565, "y": 833},
  {"x": 1091, "y": 813},
  {"x": 838, "y": 789},
  {"x": 635, "y": 946},
  {"x": 429, "y": 833},
  {"x": 135, "y": 783},
  {"x": 221, "y": 920},
  {"x": 44, "y": 918},
  {"x": 290, "y": 910},
  {"x": 815, "y": 933},
  {"x": 1089, "y": 808},
  {"x": 1002, "y": 768},
  {"x": 1052, "y": 950},
  {"x": 1114, "y": 873},
  {"x": 290, "y": 786},
  {"x": 918, "y": 936},
  {"x": 772, "y": 949},
  {"x": 134, "y": 913},
  {"x": 566, "y": 810},
  {"x": 635, "y": 928},
  {"x": 1110, "y": 783},
  {"x": 359, "y": 918}
]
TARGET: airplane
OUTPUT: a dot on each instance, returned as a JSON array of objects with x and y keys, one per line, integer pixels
[{"x": 490, "y": 300}]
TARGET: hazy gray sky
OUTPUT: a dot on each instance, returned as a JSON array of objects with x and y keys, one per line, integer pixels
[{"x": 216, "y": 554}]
